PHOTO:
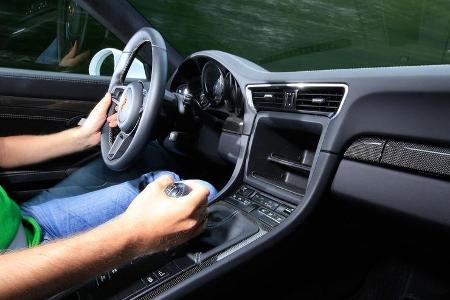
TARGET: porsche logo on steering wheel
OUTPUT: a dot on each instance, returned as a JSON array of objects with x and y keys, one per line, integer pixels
[{"x": 123, "y": 102}]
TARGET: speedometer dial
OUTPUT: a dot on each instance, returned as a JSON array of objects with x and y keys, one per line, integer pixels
[{"x": 213, "y": 83}]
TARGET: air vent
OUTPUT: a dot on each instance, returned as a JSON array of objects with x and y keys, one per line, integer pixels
[
  {"x": 269, "y": 98},
  {"x": 313, "y": 98},
  {"x": 320, "y": 98}
]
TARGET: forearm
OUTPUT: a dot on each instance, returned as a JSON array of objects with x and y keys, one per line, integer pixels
[
  {"x": 152, "y": 222},
  {"x": 45, "y": 270},
  {"x": 23, "y": 150}
]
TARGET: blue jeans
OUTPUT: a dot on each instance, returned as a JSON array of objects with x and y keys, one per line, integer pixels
[
  {"x": 66, "y": 216},
  {"x": 94, "y": 194}
]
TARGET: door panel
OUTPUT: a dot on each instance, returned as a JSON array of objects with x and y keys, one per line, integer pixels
[
  {"x": 24, "y": 115},
  {"x": 43, "y": 103}
]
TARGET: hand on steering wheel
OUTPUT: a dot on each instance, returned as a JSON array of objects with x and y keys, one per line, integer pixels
[
  {"x": 112, "y": 119},
  {"x": 137, "y": 110}
]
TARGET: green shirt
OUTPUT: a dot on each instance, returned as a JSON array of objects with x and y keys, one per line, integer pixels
[{"x": 10, "y": 219}]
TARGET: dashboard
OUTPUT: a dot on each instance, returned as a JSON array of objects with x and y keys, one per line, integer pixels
[
  {"x": 340, "y": 134},
  {"x": 303, "y": 136},
  {"x": 292, "y": 122}
]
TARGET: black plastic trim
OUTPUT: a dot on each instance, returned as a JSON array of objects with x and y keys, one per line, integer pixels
[{"x": 417, "y": 196}]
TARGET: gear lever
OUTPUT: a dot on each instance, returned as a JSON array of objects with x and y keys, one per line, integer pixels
[{"x": 177, "y": 189}]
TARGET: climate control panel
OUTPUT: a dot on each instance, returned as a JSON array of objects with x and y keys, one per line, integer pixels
[{"x": 265, "y": 208}]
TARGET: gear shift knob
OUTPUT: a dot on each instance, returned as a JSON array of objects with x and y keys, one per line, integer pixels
[{"x": 177, "y": 189}]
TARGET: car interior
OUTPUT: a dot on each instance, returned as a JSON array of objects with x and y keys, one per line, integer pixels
[{"x": 333, "y": 183}]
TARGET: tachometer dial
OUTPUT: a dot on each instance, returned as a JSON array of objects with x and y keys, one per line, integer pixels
[{"x": 213, "y": 83}]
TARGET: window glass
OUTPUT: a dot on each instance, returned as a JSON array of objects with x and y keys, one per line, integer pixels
[
  {"x": 51, "y": 35},
  {"x": 289, "y": 35}
]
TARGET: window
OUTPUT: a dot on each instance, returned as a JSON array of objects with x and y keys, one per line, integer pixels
[
  {"x": 52, "y": 35},
  {"x": 295, "y": 35}
]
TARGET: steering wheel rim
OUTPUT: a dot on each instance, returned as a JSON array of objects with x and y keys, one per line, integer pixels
[{"x": 119, "y": 151}]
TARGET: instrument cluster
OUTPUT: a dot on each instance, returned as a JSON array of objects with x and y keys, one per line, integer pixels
[{"x": 214, "y": 88}]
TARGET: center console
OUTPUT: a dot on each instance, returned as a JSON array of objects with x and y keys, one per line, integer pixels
[
  {"x": 272, "y": 185},
  {"x": 245, "y": 215}
]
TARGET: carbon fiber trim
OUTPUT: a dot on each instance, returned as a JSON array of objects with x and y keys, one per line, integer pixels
[
  {"x": 432, "y": 160},
  {"x": 171, "y": 283},
  {"x": 423, "y": 158},
  {"x": 366, "y": 149}
]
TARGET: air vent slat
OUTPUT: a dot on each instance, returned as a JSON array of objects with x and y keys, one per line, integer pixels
[
  {"x": 310, "y": 100},
  {"x": 321, "y": 95},
  {"x": 314, "y": 98},
  {"x": 317, "y": 106}
]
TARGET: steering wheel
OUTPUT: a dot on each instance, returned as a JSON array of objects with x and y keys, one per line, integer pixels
[{"x": 137, "y": 108}]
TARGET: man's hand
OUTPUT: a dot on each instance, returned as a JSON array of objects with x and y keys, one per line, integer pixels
[
  {"x": 158, "y": 222},
  {"x": 90, "y": 130},
  {"x": 112, "y": 119}
]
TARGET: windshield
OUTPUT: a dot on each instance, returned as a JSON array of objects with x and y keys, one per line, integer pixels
[{"x": 283, "y": 35}]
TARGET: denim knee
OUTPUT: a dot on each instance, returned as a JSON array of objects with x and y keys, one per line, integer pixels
[{"x": 152, "y": 176}]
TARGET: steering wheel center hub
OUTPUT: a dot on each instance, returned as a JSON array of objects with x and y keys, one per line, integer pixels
[{"x": 130, "y": 104}]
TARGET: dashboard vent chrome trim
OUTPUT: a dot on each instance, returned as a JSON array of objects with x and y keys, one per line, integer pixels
[{"x": 315, "y": 98}]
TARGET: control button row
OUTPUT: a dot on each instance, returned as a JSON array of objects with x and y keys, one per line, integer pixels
[
  {"x": 264, "y": 208},
  {"x": 246, "y": 191},
  {"x": 241, "y": 199},
  {"x": 160, "y": 274},
  {"x": 150, "y": 279},
  {"x": 284, "y": 209},
  {"x": 265, "y": 201},
  {"x": 105, "y": 277},
  {"x": 244, "y": 204},
  {"x": 276, "y": 217}
]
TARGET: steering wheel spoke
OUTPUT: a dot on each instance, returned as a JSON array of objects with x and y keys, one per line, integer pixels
[
  {"x": 115, "y": 101},
  {"x": 116, "y": 92},
  {"x": 120, "y": 145}
]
